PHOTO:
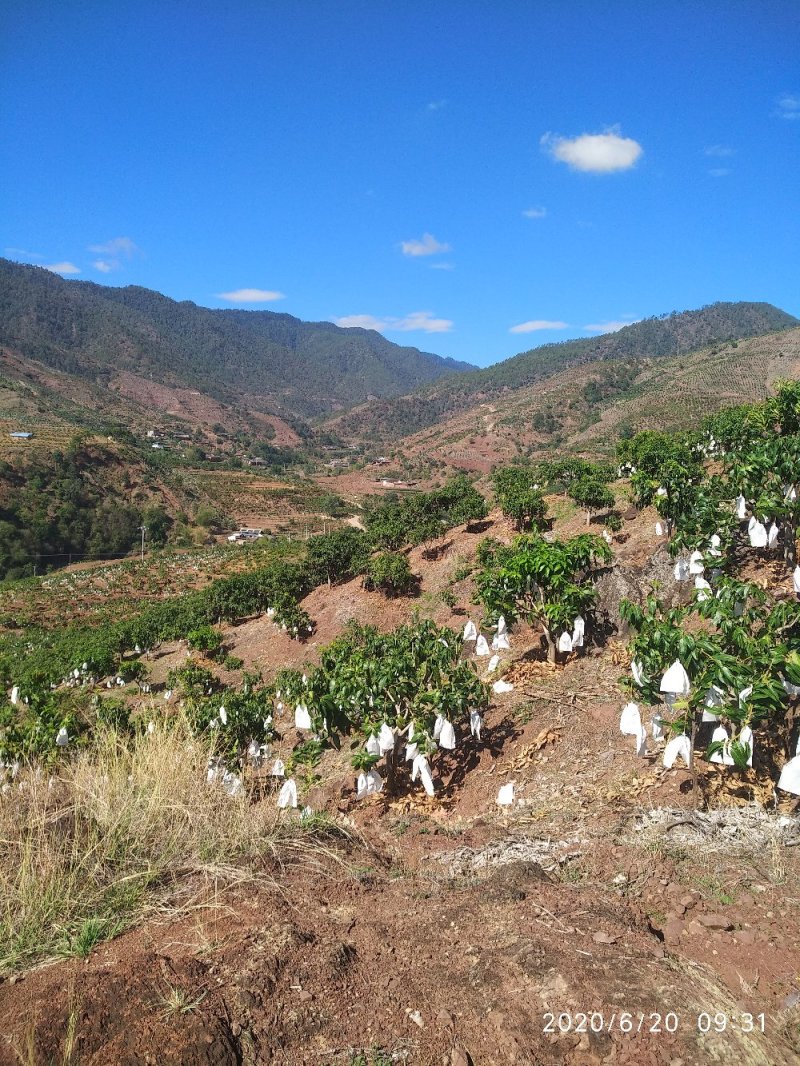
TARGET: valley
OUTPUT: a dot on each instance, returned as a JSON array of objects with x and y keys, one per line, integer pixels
[{"x": 408, "y": 778}]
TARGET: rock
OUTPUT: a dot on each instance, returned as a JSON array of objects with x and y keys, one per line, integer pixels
[
  {"x": 745, "y": 936},
  {"x": 604, "y": 938},
  {"x": 672, "y": 932},
  {"x": 459, "y": 1057},
  {"x": 445, "y": 1019},
  {"x": 715, "y": 921},
  {"x": 304, "y": 995}
]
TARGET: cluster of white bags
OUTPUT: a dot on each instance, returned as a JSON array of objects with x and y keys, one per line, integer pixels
[{"x": 568, "y": 642}]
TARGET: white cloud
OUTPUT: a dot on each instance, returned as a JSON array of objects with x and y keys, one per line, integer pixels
[
  {"x": 719, "y": 151},
  {"x": 361, "y": 322},
  {"x": 63, "y": 268},
  {"x": 789, "y": 106},
  {"x": 428, "y": 245},
  {"x": 113, "y": 252},
  {"x": 251, "y": 296},
  {"x": 535, "y": 212},
  {"x": 596, "y": 153},
  {"x": 612, "y": 326},
  {"x": 719, "y": 172},
  {"x": 537, "y": 324},
  {"x": 117, "y": 246},
  {"x": 436, "y": 105},
  {"x": 423, "y": 321}
]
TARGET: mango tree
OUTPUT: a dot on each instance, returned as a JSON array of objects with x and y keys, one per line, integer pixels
[
  {"x": 547, "y": 583},
  {"x": 591, "y": 494},
  {"x": 741, "y": 654},
  {"x": 397, "y": 690},
  {"x": 518, "y": 494}
]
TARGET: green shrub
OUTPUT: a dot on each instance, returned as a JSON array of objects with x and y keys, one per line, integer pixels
[
  {"x": 390, "y": 573},
  {"x": 205, "y": 639}
]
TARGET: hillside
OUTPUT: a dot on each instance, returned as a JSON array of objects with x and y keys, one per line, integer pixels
[
  {"x": 402, "y": 928},
  {"x": 587, "y": 408},
  {"x": 271, "y": 362},
  {"x": 667, "y": 336}
]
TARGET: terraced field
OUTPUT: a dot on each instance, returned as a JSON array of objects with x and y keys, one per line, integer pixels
[{"x": 116, "y": 591}]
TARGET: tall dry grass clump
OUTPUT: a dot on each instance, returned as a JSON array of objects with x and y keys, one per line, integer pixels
[{"x": 82, "y": 853}]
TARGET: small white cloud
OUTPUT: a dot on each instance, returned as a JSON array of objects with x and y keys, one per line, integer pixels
[
  {"x": 63, "y": 268},
  {"x": 360, "y": 322},
  {"x": 122, "y": 247},
  {"x": 537, "y": 324},
  {"x": 719, "y": 172},
  {"x": 535, "y": 212},
  {"x": 611, "y": 327},
  {"x": 789, "y": 106},
  {"x": 441, "y": 266},
  {"x": 423, "y": 321},
  {"x": 251, "y": 296},
  {"x": 428, "y": 245},
  {"x": 595, "y": 153},
  {"x": 719, "y": 151},
  {"x": 113, "y": 252},
  {"x": 436, "y": 105}
]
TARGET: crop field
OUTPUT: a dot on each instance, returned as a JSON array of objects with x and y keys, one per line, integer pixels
[
  {"x": 241, "y": 493},
  {"x": 48, "y": 436},
  {"x": 110, "y": 592}
]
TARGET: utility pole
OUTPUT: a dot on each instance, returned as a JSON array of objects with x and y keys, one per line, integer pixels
[{"x": 143, "y": 529}]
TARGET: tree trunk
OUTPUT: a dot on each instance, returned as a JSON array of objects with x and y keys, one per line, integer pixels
[
  {"x": 693, "y": 761},
  {"x": 790, "y": 546},
  {"x": 552, "y": 648}
]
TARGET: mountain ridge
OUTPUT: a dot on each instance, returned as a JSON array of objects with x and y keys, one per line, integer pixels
[
  {"x": 290, "y": 365},
  {"x": 668, "y": 335}
]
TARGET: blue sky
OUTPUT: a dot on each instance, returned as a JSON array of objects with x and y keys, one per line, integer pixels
[{"x": 474, "y": 178}]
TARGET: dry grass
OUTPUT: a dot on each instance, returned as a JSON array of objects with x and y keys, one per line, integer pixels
[{"x": 82, "y": 855}]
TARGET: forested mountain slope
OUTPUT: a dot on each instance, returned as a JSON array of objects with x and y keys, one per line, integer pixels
[
  {"x": 277, "y": 362},
  {"x": 672, "y": 334}
]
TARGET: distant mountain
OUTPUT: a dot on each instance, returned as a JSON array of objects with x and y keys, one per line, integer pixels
[
  {"x": 272, "y": 362},
  {"x": 671, "y": 334},
  {"x": 587, "y": 409}
]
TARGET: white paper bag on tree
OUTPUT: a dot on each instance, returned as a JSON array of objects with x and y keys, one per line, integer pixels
[
  {"x": 385, "y": 738},
  {"x": 421, "y": 768},
  {"x": 678, "y": 748},
  {"x": 287, "y": 797},
  {"x": 630, "y": 721},
  {"x": 475, "y": 723}
]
